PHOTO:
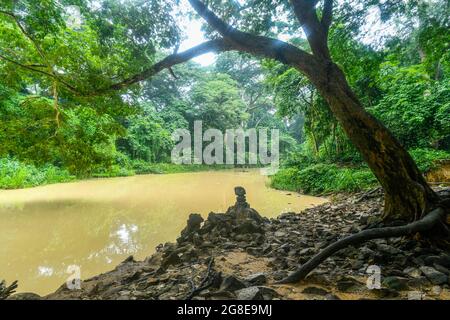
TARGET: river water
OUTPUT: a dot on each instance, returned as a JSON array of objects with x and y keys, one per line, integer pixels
[{"x": 95, "y": 224}]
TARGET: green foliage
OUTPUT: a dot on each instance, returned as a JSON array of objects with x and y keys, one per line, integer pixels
[
  {"x": 323, "y": 178},
  {"x": 148, "y": 139},
  {"x": 303, "y": 173},
  {"x": 86, "y": 141},
  {"x": 15, "y": 174},
  {"x": 217, "y": 102},
  {"x": 142, "y": 167},
  {"x": 113, "y": 38},
  {"x": 428, "y": 159},
  {"x": 415, "y": 107}
]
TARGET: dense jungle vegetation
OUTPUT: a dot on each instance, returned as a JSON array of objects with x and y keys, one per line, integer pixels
[{"x": 58, "y": 123}]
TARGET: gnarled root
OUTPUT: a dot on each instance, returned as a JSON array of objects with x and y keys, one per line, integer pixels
[
  {"x": 435, "y": 217},
  {"x": 6, "y": 291},
  {"x": 206, "y": 282}
]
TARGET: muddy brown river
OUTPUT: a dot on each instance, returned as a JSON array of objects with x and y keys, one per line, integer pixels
[{"x": 95, "y": 224}]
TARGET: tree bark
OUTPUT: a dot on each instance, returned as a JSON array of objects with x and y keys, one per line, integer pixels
[{"x": 407, "y": 194}]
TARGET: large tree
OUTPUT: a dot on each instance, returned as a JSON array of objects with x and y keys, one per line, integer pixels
[
  {"x": 407, "y": 195},
  {"x": 248, "y": 28}
]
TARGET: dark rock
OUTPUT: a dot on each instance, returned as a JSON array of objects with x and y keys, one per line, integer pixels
[
  {"x": 319, "y": 279},
  {"x": 193, "y": 225},
  {"x": 25, "y": 296},
  {"x": 221, "y": 295},
  {"x": 442, "y": 269},
  {"x": 129, "y": 259},
  {"x": 132, "y": 277},
  {"x": 387, "y": 249},
  {"x": 434, "y": 276},
  {"x": 171, "y": 259},
  {"x": 280, "y": 234},
  {"x": 349, "y": 284},
  {"x": 256, "y": 293},
  {"x": 254, "y": 251},
  {"x": 248, "y": 226},
  {"x": 280, "y": 274},
  {"x": 412, "y": 272},
  {"x": 366, "y": 253},
  {"x": 256, "y": 279},
  {"x": 418, "y": 261},
  {"x": 229, "y": 245},
  {"x": 357, "y": 264},
  {"x": 251, "y": 293},
  {"x": 231, "y": 283},
  {"x": 409, "y": 245},
  {"x": 418, "y": 282},
  {"x": 332, "y": 297},
  {"x": 315, "y": 290},
  {"x": 444, "y": 260},
  {"x": 430, "y": 260},
  {"x": 206, "y": 244},
  {"x": 241, "y": 209},
  {"x": 268, "y": 293},
  {"x": 218, "y": 218},
  {"x": 396, "y": 283},
  {"x": 307, "y": 252},
  {"x": 385, "y": 293}
]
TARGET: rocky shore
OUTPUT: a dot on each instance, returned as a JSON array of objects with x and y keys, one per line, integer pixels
[{"x": 240, "y": 255}]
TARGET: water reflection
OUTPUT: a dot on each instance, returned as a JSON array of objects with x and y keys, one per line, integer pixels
[
  {"x": 96, "y": 224},
  {"x": 44, "y": 271}
]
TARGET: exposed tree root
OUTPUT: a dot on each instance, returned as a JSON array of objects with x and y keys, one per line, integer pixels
[
  {"x": 6, "y": 291},
  {"x": 432, "y": 219},
  {"x": 206, "y": 282}
]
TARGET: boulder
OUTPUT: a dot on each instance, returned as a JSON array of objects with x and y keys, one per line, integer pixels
[
  {"x": 396, "y": 283},
  {"x": 315, "y": 291},
  {"x": 349, "y": 284},
  {"x": 193, "y": 225},
  {"x": 256, "y": 279},
  {"x": 412, "y": 272},
  {"x": 231, "y": 283},
  {"x": 436, "y": 277},
  {"x": 251, "y": 293},
  {"x": 248, "y": 226},
  {"x": 256, "y": 293},
  {"x": 25, "y": 296},
  {"x": 171, "y": 259}
]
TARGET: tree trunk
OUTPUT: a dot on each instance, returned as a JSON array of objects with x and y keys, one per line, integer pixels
[{"x": 407, "y": 195}]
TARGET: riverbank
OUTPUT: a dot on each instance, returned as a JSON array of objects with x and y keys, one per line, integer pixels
[
  {"x": 18, "y": 175},
  {"x": 222, "y": 259},
  {"x": 315, "y": 177},
  {"x": 308, "y": 177}
]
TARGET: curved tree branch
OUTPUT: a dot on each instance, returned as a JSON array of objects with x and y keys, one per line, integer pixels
[
  {"x": 27, "y": 35},
  {"x": 45, "y": 73},
  {"x": 217, "y": 45},
  {"x": 327, "y": 14},
  {"x": 233, "y": 39},
  {"x": 316, "y": 32},
  {"x": 258, "y": 45},
  {"x": 425, "y": 224}
]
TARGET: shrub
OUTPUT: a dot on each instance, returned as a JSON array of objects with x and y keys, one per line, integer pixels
[
  {"x": 15, "y": 174},
  {"x": 427, "y": 159},
  {"x": 323, "y": 178}
]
